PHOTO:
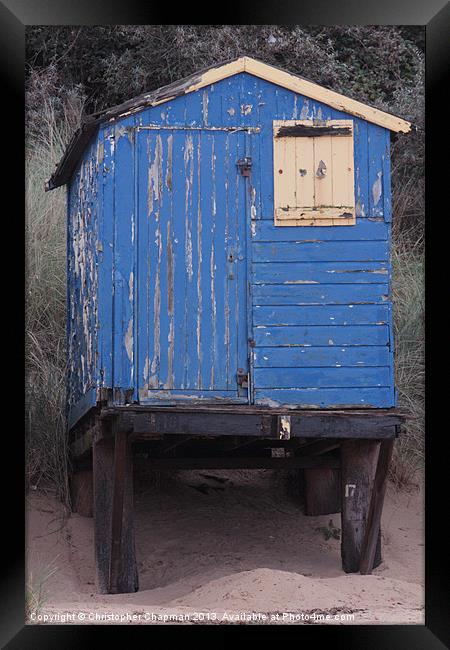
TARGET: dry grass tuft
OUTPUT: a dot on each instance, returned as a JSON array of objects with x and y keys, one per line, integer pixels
[
  {"x": 35, "y": 595},
  {"x": 409, "y": 315}
]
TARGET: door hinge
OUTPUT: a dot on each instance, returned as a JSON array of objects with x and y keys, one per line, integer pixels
[
  {"x": 245, "y": 165},
  {"x": 242, "y": 378}
]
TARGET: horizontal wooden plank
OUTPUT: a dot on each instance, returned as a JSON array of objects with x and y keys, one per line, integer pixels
[
  {"x": 320, "y": 216},
  {"x": 322, "y": 335},
  {"x": 363, "y": 230},
  {"x": 323, "y": 377},
  {"x": 243, "y": 463},
  {"x": 257, "y": 420},
  {"x": 321, "y": 315},
  {"x": 325, "y": 397},
  {"x": 327, "y": 294},
  {"x": 319, "y": 272},
  {"x": 304, "y": 357},
  {"x": 353, "y": 427},
  {"x": 326, "y": 251},
  {"x": 194, "y": 423}
]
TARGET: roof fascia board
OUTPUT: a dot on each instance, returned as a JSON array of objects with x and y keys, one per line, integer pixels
[{"x": 329, "y": 97}]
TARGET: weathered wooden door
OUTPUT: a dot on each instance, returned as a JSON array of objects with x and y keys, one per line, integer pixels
[{"x": 192, "y": 284}]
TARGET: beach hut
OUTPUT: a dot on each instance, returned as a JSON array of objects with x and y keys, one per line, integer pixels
[{"x": 229, "y": 278}]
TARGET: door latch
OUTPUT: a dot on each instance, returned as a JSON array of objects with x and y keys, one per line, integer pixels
[
  {"x": 245, "y": 165},
  {"x": 242, "y": 378}
]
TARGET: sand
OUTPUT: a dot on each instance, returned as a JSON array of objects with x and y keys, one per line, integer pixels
[{"x": 228, "y": 547}]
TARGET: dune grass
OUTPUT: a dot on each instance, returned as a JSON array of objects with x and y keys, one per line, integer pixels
[
  {"x": 409, "y": 321},
  {"x": 35, "y": 593},
  {"x": 45, "y": 394}
]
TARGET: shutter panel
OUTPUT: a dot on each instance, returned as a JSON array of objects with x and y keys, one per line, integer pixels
[{"x": 313, "y": 173}]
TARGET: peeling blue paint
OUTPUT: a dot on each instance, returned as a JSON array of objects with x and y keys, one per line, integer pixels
[{"x": 174, "y": 262}]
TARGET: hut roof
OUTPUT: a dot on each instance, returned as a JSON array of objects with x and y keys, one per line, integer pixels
[{"x": 205, "y": 77}]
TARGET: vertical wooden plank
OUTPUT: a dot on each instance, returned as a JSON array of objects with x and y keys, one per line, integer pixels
[
  {"x": 105, "y": 261},
  {"x": 287, "y": 180},
  {"x": 192, "y": 260},
  {"x": 147, "y": 255},
  {"x": 155, "y": 257},
  {"x": 221, "y": 262},
  {"x": 267, "y": 113},
  {"x": 286, "y": 104},
  {"x": 376, "y": 145},
  {"x": 361, "y": 157},
  {"x": 278, "y": 171},
  {"x": 82, "y": 495},
  {"x": 323, "y": 176},
  {"x": 168, "y": 201},
  {"x": 123, "y": 576},
  {"x": 194, "y": 108},
  {"x": 167, "y": 263},
  {"x": 304, "y": 167},
  {"x": 243, "y": 259},
  {"x": 230, "y": 101},
  {"x": 177, "y": 263},
  {"x": 322, "y": 491},
  {"x": 213, "y": 383},
  {"x": 358, "y": 459},
  {"x": 372, "y": 532},
  {"x": 207, "y": 253},
  {"x": 343, "y": 173},
  {"x": 103, "y": 463},
  {"x": 233, "y": 267},
  {"x": 174, "y": 113},
  {"x": 387, "y": 195},
  {"x": 199, "y": 231},
  {"x": 248, "y": 100},
  {"x": 124, "y": 262},
  {"x": 166, "y": 266}
]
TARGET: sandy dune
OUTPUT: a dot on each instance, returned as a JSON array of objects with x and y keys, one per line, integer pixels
[{"x": 216, "y": 546}]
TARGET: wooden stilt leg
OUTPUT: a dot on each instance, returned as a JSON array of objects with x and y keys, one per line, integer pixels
[
  {"x": 358, "y": 459},
  {"x": 322, "y": 491},
  {"x": 103, "y": 463},
  {"x": 123, "y": 576},
  {"x": 81, "y": 492},
  {"x": 372, "y": 532}
]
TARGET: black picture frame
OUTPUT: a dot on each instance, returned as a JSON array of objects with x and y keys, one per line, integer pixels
[{"x": 15, "y": 15}]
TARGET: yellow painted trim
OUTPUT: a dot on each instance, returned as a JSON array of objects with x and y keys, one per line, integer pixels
[
  {"x": 298, "y": 85},
  {"x": 315, "y": 217},
  {"x": 329, "y": 97},
  {"x": 350, "y": 221},
  {"x": 320, "y": 215}
]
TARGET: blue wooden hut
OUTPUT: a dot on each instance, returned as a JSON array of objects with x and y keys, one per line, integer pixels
[{"x": 229, "y": 245}]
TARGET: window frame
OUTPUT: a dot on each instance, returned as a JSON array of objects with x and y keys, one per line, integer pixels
[{"x": 328, "y": 131}]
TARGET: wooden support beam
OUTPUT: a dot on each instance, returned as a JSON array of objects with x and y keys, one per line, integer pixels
[
  {"x": 317, "y": 447},
  {"x": 123, "y": 576},
  {"x": 151, "y": 423},
  {"x": 372, "y": 533},
  {"x": 82, "y": 492},
  {"x": 242, "y": 462},
  {"x": 113, "y": 516},
  {"x": 358, "y": 460},
  {"x": 103, "y": 463},
  {"x": 322, "y": 491}
]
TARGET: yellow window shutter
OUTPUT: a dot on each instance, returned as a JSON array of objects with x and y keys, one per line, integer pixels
[{"x": 313, "y": 173}]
